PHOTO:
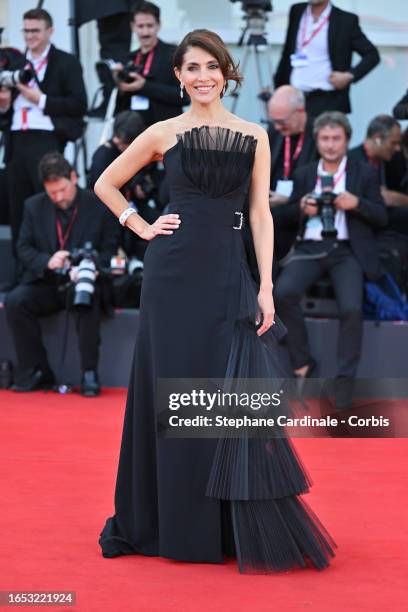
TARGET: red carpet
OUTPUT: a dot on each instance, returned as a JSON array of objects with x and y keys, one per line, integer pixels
[{"x": 58, "y": 467}]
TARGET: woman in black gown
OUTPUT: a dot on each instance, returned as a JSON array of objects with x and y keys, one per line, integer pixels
[{"x": 200, "y": 317}]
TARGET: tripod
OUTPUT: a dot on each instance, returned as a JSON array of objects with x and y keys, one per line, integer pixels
[{"x": 254, "y": 36}]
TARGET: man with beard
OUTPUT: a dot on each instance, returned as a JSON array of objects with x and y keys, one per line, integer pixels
[
  {"x": 150, "y": 87},
  {"x": 346, "y": 254}
]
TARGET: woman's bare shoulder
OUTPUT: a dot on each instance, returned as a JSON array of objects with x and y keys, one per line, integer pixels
[{"x": 164, "y": 133}]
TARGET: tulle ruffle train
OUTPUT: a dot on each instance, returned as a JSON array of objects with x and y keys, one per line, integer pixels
[{"x": 273, "y": 529}]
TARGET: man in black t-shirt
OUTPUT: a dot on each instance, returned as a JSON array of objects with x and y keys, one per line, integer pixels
[{"x": 153, "y": 90}]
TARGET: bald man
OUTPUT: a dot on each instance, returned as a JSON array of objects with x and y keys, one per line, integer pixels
[
  {"x": 292, "y": 146},
  {"x": 290, "y": 138}
]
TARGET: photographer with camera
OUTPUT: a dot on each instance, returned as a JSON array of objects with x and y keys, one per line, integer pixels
[
  {"x": 43, "y": 113},
  {"x": 337, "y": 205},
  {"x": 147, "y": 82},
  {"x": 142, "y": 191},
  {"x": 58, "y": 271}
]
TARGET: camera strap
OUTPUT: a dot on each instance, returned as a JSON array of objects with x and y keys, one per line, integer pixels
[
  {"x": 62, "y": 238},
  {"x": 148, "y": 62}
]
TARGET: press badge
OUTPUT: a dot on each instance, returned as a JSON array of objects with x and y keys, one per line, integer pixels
[
  {"x": 299, "y": 60},
  {"x": 284, "y": 188},
  {"x": 138, "y": 103}
]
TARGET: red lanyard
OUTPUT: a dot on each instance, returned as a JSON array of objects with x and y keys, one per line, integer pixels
[
  {"x": 337, "y": 179},
  {"x": 287, "y": 163},
  {"x": 62, "y": 238},
  {"x": 315, "y": 32},
  {"x": 24, "y": 110},
  {"x": 148, "y": 62}
]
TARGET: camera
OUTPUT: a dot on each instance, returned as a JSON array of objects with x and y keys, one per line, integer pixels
[
  {"x": 124, "y": 74},
  {"x": 13, "y": 67},
  {"x": 84, "y": 287},
  {"x": 325, "y": 203},
  {"x": 248, "y": 5}
]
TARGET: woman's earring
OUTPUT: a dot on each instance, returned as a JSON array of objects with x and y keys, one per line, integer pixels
[
  {"x": 224, "y": 89},
  {"x": 181, "y": 90}
]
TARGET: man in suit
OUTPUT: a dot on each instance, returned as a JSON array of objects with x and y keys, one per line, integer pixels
[
  {"x": 382, "y": 150},
  {"x": 292, "y": 145},
  {"x": 317, "y": 55},
  {"x": 154, "y": 90},
  {"x": 346, "y": 256},
  {"x": 43, "y": 114},
  {"x": 55, "y": 223}
]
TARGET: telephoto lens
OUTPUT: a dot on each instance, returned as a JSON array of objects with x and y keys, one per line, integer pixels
[{"x": 85, "y": 283}]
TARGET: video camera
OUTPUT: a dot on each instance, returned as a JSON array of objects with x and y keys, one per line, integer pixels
[
  {"x": 248, "y": 5},
  {"x": 325, "y": 204}
]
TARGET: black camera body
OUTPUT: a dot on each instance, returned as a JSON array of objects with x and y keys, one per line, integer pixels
[
  {"x": 248, "y": 5},
  {"x": 124, "y": 74},
  {"x": 325, "y": 204}
]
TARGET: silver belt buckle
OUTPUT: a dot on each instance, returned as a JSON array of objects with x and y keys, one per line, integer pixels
[{"x": 241, "y": 220}]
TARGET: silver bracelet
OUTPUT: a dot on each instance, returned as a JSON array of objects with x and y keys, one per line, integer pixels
[{"x": 125, "y": 215}]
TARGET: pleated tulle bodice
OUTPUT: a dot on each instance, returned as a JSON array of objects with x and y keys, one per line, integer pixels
[{"x": 213, "y": 162}]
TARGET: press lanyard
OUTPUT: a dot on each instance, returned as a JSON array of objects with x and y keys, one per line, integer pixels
[
  {"x": 25, "y": 109},
  {"x": 148, "y": 62},
  {"x": 336, "y": 181},
  {"x": 304, "y": 41},
  {"x": 62, "y": 238},
  {"x": 287, "y": 163}
]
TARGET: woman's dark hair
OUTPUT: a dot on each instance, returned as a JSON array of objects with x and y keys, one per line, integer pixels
[
  {"x": 215, "y": 46},
  {"x": 128, "y": 125},
  {"x": 148, "y": 8},
  {"x": 332, "y": 119},
  {"x": 40, "y": 14},
  {"x": 54, "y": 166}
]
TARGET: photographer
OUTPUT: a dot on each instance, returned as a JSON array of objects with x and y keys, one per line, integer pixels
[
  {"x": 42, "y": 114},
  {"x": 382, "y": 150},
  {"x": 148, "y": 83},
  {"x": 142, "y": 190},
  {"x": 55, "y": 224},
  {"x": 337, "y": 238}
]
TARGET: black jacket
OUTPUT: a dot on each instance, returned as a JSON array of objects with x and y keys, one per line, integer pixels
[
  {"x": 345, "y": 36},
  {"x": 392, "y": 174},
  {"x": 64, "y": 87},
  {"x": 162, "y": 88},
  {"x": 38, "y": 236},
  {"x": 362, "y": 222},
  {"x": 400, "y": 110},
  {"x": 276, "y": 144}
]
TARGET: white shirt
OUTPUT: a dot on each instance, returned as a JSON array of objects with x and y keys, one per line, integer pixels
[
  {"x": 36, "y": 120},
  {"x": 315, "y": 74},
  {"x": 313, "y": 230}
]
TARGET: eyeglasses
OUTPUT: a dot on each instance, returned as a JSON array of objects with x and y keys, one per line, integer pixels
[
  {"x": 284, "y": 122},
  {"x": 32, "y": 31}
]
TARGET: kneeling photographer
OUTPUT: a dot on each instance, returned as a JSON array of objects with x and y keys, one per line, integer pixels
[
  {"x": 66, "y": 242},
  {"x": 338, "y": 206}
]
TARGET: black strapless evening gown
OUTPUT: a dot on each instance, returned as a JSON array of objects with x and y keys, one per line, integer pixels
[{"x": 201, "y": 500}]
